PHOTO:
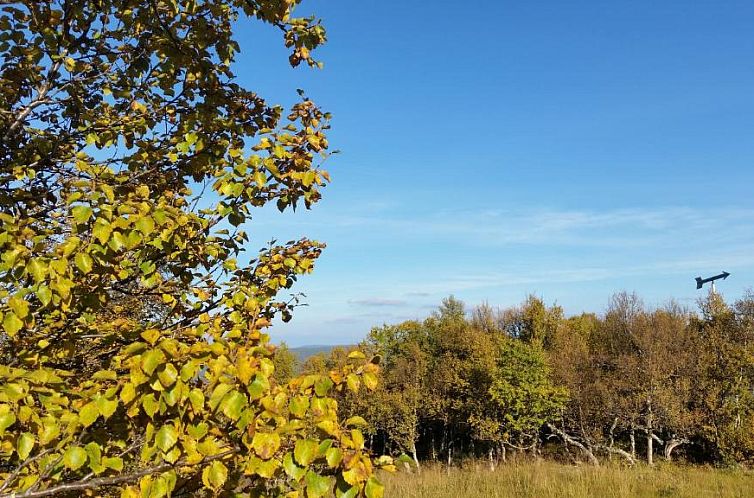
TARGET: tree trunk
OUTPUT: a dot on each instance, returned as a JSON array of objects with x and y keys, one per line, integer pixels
[
  {"x": 433, "y": 443},
  {"x": 503, "y": 454},
  {"x": 450, "y": 449},
  {"x": 632, "y": 436},
  {"x": 569, "y": 440},
  {"x": 650, "y": 434},
  {"x": 612, "y": 432},
  {"x": 416, "y": 458},
  {"x": 613, "y": 450},
  {"x": 671, "y": 445},
  {"x": 490, "y": 455}
]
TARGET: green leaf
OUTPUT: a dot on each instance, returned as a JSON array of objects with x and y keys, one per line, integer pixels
[
  {"x": 24, "y": 445},
  {"x": 214, "y": 475},
  {"x": 346, "y": 491},
  {"x": 84, "y": 262},
  {"x": 259, "y": 386},
  {"x": 305, "y": 451},
  {"x": 323, "y": 386},
  {"x": 317, "y": 485},
  {"x": 115, "y": 463},
  {"x": 374, "y": 489},
  {"x": 81, "y": 214},
  {"x": 291, "y": 468},
  {"x": 298, "y": 406},
  {"x": 74, "y": 457},
  {"x": 166, "y": 437},
  {"x": 94, "y": 452}
]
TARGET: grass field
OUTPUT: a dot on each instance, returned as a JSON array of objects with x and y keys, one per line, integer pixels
[{"x": 542, "y": 479}]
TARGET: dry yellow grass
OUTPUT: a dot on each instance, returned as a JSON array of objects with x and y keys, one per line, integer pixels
[{"x": 542, "y": 479}]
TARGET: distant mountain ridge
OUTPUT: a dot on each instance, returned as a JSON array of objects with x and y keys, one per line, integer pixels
[{"x": 304, "y": 352}]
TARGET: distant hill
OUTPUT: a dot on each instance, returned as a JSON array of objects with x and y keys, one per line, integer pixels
[{"x": 304, "y": 352}]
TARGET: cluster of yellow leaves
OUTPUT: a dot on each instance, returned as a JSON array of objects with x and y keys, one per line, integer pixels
[{"x": 133, "y": 351}]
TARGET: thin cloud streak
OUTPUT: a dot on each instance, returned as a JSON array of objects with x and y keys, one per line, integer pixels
[
  {"x": 611, "y": 228},
  {"x": 378, "y": 301}
]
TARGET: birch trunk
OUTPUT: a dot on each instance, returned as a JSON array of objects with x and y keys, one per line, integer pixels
[{"x": 569, "y": 440}]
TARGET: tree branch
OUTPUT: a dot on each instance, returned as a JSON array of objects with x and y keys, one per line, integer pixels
[
  {"x": 12, "y": 477},
  {"x": 569, "y": 440},
  {"x": 38, "y": 100},
  {"x": 111, "y": 481}
]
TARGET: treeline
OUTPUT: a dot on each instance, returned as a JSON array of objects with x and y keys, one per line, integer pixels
[{"x": 631, "y": 383}]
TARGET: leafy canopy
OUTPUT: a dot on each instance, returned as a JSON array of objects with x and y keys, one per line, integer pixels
[{"x": 133, "y": 345}]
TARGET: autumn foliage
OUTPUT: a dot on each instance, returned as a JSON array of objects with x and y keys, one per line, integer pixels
[
  {"x": 630, "y": 384},
  {"x": 134, "y": 358}
]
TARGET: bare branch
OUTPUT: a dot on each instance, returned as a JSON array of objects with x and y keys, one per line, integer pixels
[{"x": 111, "y": 481}]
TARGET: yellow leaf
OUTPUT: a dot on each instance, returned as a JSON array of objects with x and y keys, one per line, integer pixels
[
  {"x": 127, "y": 393},
  {"x": 214, "y": 475},
  {"x": 88, "y": 414},
  {"x": 12, "y": 324},
  {"x": 24, "y": 445}
]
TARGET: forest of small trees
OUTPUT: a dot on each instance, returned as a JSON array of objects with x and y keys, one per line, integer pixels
[
  {"x": 136, "y": 358},
  {"x": 627, "y": 385}
]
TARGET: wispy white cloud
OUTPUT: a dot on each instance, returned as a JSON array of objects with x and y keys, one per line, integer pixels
[
  {"x": 637, "y": 227},
  {"x": 398, "y": 263},
  {"x": 378, "y": 301},
  {"x": 715, "y": 260}
]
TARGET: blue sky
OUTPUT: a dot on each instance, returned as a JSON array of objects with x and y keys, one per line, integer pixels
[{"x": 495, "y": 149}]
